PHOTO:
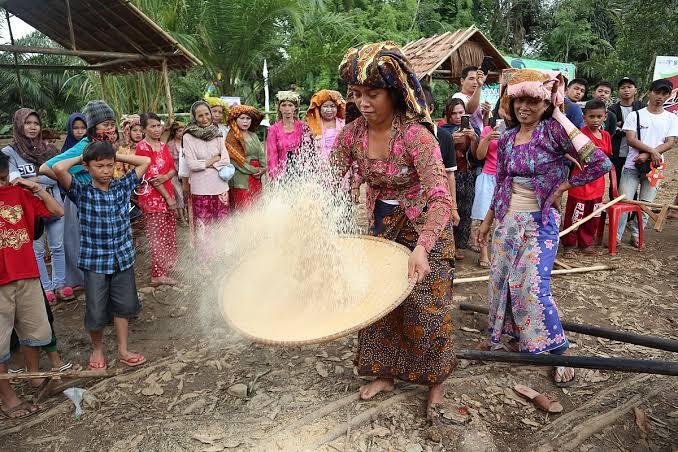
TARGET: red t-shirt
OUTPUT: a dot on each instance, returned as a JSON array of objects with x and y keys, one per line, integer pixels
[
  {"x": 150, "y": 199},
  {"x": 18, "y": 210},
  {"x": 595, "y": 189}
]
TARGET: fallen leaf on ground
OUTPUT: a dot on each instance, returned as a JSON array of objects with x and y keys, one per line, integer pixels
[
  {"x": 208, "y": 439},
  {"x": 153, "y": 389},
  {"x": 641, "y": 420},
  {"x": 530, "y": 422}
]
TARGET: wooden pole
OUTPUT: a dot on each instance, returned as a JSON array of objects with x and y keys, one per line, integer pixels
[
  {"x": 554, "y": 272},
  {"x": 79, "y": 53},
  {"x": 649, "y": 211},
  {"x": 66, "y": 374},
  {"x": 646, "y": 366},
  {"x": 16, "y": 59},
  {"x": 659, "y": 223},
  {"x": 651, "y": 204},
  {"x": 657, "y": 342},
  {"x": 591, "y": 215},
  {"x": 70, "y": 24},
  {"x": 104, "y": 85},
  {"x": 168, "y": 93}
]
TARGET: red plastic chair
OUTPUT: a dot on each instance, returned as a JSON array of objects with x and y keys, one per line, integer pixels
[{"x": 614, "y": 211}]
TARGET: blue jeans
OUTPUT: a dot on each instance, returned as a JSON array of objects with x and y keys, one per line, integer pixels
[
  {"x": 628, "y": 185},
  {"x": 54, "y": 230}
]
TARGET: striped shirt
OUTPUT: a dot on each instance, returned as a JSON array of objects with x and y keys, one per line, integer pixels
[{"x": 106, "y": 245}]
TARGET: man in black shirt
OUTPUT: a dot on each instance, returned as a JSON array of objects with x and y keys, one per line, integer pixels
[{"x": 446, "y": 143}]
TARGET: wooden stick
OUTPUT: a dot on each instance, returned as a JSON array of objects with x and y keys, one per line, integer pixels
[
  {"x": 168, "y": 93},
  {"x": 651, "y": 204},
  {"x": 554, "y": 272},
  {"x": 66, "y": 374},
  {"x": 16, "y": 59},
  {"x": 362, "y": 418},
  {"x": 70, "y": 25},
  {"x": 562, "y": 264},
  {"x": 649, "y": 211},
  {"x": 659, "y": 222},
  {"x": 581, "y": 431},
  {"x": 78, "y": 53},
  {"x": 322, "y": 412},
  {"x": 591, "y": 215}
]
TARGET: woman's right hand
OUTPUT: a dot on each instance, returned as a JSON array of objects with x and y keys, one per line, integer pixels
[{"x": 483, "y": 234}]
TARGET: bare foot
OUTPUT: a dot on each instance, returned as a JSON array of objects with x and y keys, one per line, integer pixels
[
  {"x": 17, "y": 408},
  {"x": 379, "y": 385},
  {"x": 436, "y": 395}
]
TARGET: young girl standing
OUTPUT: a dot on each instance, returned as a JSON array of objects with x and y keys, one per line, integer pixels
[
  {"x": 131, "y": 133},
  {"x": 157, "y": 202},
  {"x": 176, "y": 149}
]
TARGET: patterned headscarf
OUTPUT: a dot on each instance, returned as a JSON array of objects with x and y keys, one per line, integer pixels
[
  {"x": 313, "y": 114},
  {"x": 235, "y": 143},
  {"x": 545, "y": 85},
  {"x": 383, "y": 65},
  {"x": 218, "y": 101},
  {"x": 202, "y": 133},
  {"x": 128, "y": 121},
  {"x": 35, "y": 150},
  {"x": 286, "y": 96}
]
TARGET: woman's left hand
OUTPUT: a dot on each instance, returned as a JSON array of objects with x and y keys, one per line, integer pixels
[
  {"x": 418, "y": 264},
  {"x": 158, "y": 180}
]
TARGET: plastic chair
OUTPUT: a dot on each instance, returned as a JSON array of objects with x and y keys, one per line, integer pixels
[{"x": 614, "y": 211}]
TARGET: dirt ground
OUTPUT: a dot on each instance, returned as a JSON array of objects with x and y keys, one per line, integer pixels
[{"x": 204, "y": 388}]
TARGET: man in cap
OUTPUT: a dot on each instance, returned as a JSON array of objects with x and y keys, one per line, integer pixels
[{"x": 627, "y": 103}]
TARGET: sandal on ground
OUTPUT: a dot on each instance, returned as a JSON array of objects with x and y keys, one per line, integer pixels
[
  {"x": 559, "y": 374},
  {"x": 483, "y": 264},
  {"x": 134, "y": 361},
  {"x": 541, "y": 401},
  {"x": 474, "y": 248},
  {"x": 65, "y": 294},
  {"x": 635, "y": 241},
  {"x": 459, "y": 256},
  {"x": 569, "y": 253},
  {"x": 66, "y": 367},
  {"x": 23, "y": 406}
]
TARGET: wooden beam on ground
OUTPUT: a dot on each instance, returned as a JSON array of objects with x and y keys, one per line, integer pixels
[
  {"x": 554, "y": 272},
  {"x": 66, "y": 374},
  {"x": 562, "y": 264},
  {"x": 591, "y": 215}
]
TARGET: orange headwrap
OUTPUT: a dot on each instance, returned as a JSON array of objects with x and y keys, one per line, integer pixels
[
  {"x": 313, "y": 116},
  {"x": 235, "y": 144}
]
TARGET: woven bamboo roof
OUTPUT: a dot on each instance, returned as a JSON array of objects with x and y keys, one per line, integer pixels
[
  {"x": 446, "y": 55},
  {"x": 111, "y": 35}
]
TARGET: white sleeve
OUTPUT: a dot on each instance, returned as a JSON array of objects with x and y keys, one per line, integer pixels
[
  {"x": 631, "y": 122},
  {"x": 183, "y": 167},
  {"x": 673, "y": 132}
]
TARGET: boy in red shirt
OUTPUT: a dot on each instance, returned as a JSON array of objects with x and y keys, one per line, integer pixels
[
  {"x": 21, "y": 298},
  {"x": 581, "y": 201}
]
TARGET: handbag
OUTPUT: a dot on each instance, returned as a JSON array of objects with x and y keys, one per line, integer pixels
[
  {"x": 227, "y": 172},
  {"x": 642, "y": 167}
]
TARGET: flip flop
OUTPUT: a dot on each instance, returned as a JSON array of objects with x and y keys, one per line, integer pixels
[
  {"x": 22, "y": 406},
  {"x": 67, "y": 366},
  {"x": 541, "y": 401},
  {"x": 134, "y": 361},
  {"x": 484, "y": 264},
  {"x": 560, "y": 371}
]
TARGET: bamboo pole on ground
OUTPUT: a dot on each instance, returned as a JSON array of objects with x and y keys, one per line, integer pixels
[
  {"x": 591, "y": 215},
  {"x": 57, "y": 374},
  {"x": 554, "y": 272}
]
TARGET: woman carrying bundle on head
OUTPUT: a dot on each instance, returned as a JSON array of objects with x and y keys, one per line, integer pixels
[
  {"x": 205, "y": 154},
  {"x": 324, "y": 120},
  {"x": 531, "y": 178},
  {"x": 247, "y": 155},
  {"x": 219, "y": 110},
  {"x": 284, "y": 137},
  {"x": 157, "y": 201},
  {"x": 408, "y": 202},
  {"x": 131, "y": 133}
]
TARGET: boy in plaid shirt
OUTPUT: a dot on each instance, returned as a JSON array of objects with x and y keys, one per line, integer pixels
[{"x": 106, "y": 247}]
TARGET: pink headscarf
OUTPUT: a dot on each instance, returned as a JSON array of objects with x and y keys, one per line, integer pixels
[{"x": 545, "y": 85}]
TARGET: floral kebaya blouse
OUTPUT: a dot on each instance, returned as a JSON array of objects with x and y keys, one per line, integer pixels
[
  {"x": 542, "y": 161},
  {"x": 413, "y": 174}
]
